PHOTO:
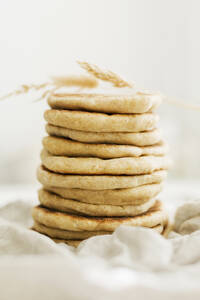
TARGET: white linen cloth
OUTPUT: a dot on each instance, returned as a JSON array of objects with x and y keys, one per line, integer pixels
[{"x": 132, "y": 263}]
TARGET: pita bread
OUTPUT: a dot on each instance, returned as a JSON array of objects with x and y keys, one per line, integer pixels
[
  {"x": 100, "y": 122},
  {"x": 73, "y": 243},
  {"x": 75, "y": 235},
  {"x": 98, "y": 166},
  {"x": 145, "y": 138},
  {"x": 66, "y": 221},
  {"x": 132, "y": 196},
  {"x": 63, "y": 146},
  {"x": 53, "y": 201},
  {"x": 167, "y": 229},
  {"x": 92, "y": 182},
  {"x": 76, "y": 243},
  {"x": 66, "y": 234},
  {"x": 126, "y": 103}
]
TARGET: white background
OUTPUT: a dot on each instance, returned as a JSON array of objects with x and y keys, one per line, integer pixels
[{"x": 152, "y": 42}]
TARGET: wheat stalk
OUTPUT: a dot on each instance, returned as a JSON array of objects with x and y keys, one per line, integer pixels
[
  {"x": 53, "y": 85},
  {"x": 80, "y": 81},
  {"x": 85, "y": 82},
  {"x": 68, "y": 81},
  {"x": 25, "y": 88},
  {"x": 109, "y": 76},
  {"x": 180, "y": 103}
]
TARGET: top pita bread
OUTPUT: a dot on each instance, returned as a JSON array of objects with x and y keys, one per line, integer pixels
[
  {"x": 68, "y": 235},
  {"x": 126, "y": 103},
  {"x": 100, "y": 122}
]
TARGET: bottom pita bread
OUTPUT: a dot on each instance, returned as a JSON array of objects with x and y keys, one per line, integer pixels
[
  {"x": 66, "y": 234},
  {"x": 76, "y": 243},
  {"x": 65, "y": 221},
  {"x": 75, "y": 235},
  {"x": 73, "y": 243}
]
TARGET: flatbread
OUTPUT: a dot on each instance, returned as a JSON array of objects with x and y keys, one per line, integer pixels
[
  {"x": 132, "y": 196},
  {"x": 100, "y": 122},
  {"x": 76, "y": 243},
  {"x": 75, "y": 235},
  {"x": 92, "y": 182},
  {"x": 66, "y": 234},
  {"x": 66, "y": 221},
  {"x": 73, "y": 243},
  {"x": 146, "y": 138},
  {"x": 63, "y": 146},
  {"x": 109, "y": 103},
  {"x": 53, "y": 201},
  {"x": 98, "y": 166}
]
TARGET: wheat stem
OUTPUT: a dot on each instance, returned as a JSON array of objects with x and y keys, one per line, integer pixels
[
  {"x": 54, "y": 84},
  {"x": 109, "y": 76}
]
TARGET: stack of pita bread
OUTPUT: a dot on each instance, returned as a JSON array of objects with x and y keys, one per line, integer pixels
[{"x": 103, "y": 165}]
